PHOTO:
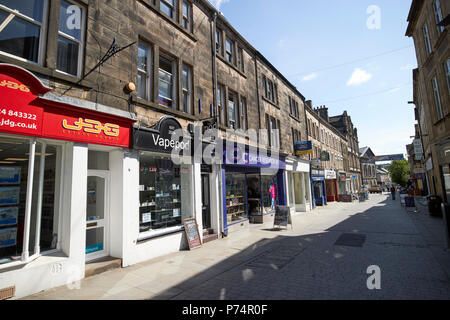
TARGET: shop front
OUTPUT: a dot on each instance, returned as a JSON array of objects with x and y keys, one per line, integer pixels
[
  {"x": 166, "y": 189},
  {"x": 253, "y": 185},
  {"x": 319, "y": 191},
  {"x": 331, "y": 185},
  {"x": 298, "y": 186},
  {"x": 58, "y": 205},
  {"x": 343, "y": 187}
]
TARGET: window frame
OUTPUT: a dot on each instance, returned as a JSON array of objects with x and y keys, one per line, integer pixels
[
  {"x": 219, "y": 41},
  {"x": 186, "y": 18},
  {"x": 231, "y": 53},
  {"x": 438, "y": 16},
  {"x": 236, "y": 111},
  {"x": 174, "y": 78},
  {"x": 80, "y": 62},
  {"x": 42, "y": 35},
  {"x": 243, "y": 113},
  {"x": 426, "y": 36},
  {"x": 447, "y": 72},
  {"x": 59, "y": 186},
  {"x": 189, "y": 90},
  {"x": 240, "y": 59},
  {"x": 148, "y": 72},
  {"x": 173, "y": 8},
  {"x": 220, "y": 104},
  {"x": 437, "y": 98}
]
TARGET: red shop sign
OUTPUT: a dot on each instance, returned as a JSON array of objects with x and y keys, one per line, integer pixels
[{"x": 23, "y": 111}]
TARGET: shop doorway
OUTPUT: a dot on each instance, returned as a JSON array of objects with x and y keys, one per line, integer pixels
[
  {"x": 97, "y": 214},
  {"x": 206, "y": 204}
]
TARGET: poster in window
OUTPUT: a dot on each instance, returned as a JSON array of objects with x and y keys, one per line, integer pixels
[
  {"x": 10, "y": 175},
  {"x": 8, "y": 216},
  {"x": 9, "y": 195},
  {"x": 8, "y": 237}
]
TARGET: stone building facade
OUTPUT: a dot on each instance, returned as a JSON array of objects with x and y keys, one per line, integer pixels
[
  {"x": 428, "y": 26},
  {"x": 345, "y": 125}
]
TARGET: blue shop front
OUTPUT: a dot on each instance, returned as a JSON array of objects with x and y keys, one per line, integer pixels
[
  {"x": 319, "y": 191},
  {"x": 253, "y": 184}
]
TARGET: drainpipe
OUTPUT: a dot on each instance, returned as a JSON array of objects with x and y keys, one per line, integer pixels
[
  {"x": 257, "y": 94},
  {"x": 214, "y": 63}
]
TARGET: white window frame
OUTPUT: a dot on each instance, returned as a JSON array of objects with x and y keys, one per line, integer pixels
[
  {"x": 438, "y": 15},
  {"x": 220, "y": 103},
  {"x": 80, "y": 42},
  {"x": 437, "y": 98},
  {"x": 187, "y": 91},
  {"x": 187, "y": 18},
  {"x": 231, "y": 53},
  {"x": 148, "y": 72},
  {"x": 62, "y": 161},
  {"x": 174, "y": 79},
  {"x": 219, "y": 42},
  {"x": 426, "y": 36},
  {"x": 243, "y": 113},
  {"x": 173, "y": 8},
  {"x": 42, "y": 34}
]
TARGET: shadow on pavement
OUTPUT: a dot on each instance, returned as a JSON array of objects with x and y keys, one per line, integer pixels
[{"x": 313, "y": 267}]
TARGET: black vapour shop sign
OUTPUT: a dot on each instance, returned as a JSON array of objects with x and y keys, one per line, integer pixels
[{"x": 163, "y": 137}]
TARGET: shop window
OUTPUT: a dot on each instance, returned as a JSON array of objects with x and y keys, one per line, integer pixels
[
  {"x": 70, "y": 38},
  {"x": 269, "y": 190},
  {"x": 164, "y": 193},
  {"x": 15, "y": 205},
  {"x": 23, "y": 25},
  {"x": 236, "y": 197},
  {"x": 144, "y": 87},
  {"x": 167, "y": 80},
  {"x": 187, "y": 88}
]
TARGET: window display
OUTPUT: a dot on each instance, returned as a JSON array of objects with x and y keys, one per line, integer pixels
[
  {"x": 269, "y": 187},
  {"x": 236, "y": 198},
  {"x": 14, "y": 159},
  {"x": 164, "y": 193}
]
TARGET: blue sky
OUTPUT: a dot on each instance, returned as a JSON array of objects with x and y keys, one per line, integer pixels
[{"x": 327, "y": 50}]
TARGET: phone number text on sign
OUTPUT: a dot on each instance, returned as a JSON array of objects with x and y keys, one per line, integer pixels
[{"x": 18, "y": 114}]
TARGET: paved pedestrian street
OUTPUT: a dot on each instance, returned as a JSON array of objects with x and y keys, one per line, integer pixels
[{"x": 326, "y": 255}]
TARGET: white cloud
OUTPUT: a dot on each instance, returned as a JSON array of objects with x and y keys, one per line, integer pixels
[
  {"x": 218, "y": 3},
  {"x": 358, "y": 77},
  {"x": 310, "y": 77}
]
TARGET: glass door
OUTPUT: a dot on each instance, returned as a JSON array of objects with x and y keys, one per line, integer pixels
[{"x": 97, "y": 214}]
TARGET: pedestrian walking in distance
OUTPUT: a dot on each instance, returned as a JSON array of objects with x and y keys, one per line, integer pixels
[{"x": 393, "y": 192}]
